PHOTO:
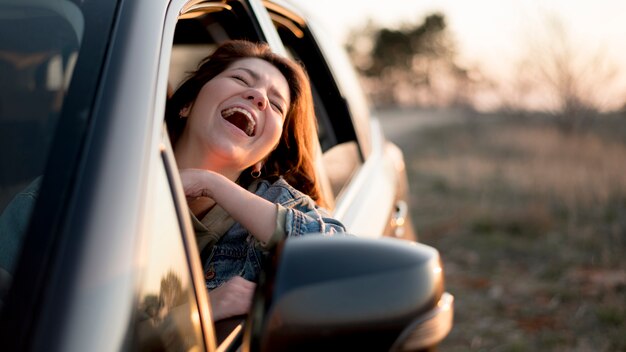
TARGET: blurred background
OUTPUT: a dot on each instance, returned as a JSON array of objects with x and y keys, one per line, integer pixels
[{"x": 512, "y": 118}]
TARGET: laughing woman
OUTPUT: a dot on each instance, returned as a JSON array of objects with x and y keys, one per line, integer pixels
[{"x": 244, "y": 132}]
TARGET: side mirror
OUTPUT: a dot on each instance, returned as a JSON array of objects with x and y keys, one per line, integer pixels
[{"x": 346, "y": 293}]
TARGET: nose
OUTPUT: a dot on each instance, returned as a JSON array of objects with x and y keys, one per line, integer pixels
[{"x": 258, "y": 98}]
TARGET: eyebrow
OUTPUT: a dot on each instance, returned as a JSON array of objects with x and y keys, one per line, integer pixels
[{"x": 257, "y": 77}]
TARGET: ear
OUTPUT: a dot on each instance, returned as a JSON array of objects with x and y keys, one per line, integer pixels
[{"x": 184, "y": 112}]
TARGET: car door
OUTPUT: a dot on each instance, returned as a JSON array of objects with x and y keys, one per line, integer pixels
[
  {"x": 107, "y": 258},
  {"x": 366, "y": 173}
]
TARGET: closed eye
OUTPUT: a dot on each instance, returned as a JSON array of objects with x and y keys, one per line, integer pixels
[
  {"x": 278, "y": 107},
  {"x": 240, "y": 79}
]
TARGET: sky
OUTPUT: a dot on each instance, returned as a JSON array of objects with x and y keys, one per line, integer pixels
[
  {"x": 483, "y": 26},
  {"x": 489, "y": 33}
]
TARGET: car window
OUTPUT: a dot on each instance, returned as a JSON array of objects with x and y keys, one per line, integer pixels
[
  {"x": 199, "y": 30},
  {"x": 41, "y": 49},
  {"x": 167, "y": 315},
  {"x": 342, "y": 151},
  {"x": 36, "y": 65}
]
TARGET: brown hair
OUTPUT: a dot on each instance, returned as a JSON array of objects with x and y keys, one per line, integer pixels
[{"x": 294, "y": 156}]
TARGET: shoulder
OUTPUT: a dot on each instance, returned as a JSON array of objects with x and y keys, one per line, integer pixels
[
  {"x": 283, "y": 193},
  {"x": 32, "y": 190},
  {"x": 24, "y": 201},
  {"x": 14, "y": 222}
]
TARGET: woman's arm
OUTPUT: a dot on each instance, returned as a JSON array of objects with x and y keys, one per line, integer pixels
[{"x": 254, "y": 213}]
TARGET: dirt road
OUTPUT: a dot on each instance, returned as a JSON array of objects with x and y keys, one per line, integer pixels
[{"x": 399, "y": 124}]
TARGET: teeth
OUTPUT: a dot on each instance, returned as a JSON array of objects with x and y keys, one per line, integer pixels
[
  {"x": 243, "y": 119},
  {"x": 231, "y": 111}
]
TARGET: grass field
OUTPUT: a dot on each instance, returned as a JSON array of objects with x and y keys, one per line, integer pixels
[{"x": 531, "y": 225}]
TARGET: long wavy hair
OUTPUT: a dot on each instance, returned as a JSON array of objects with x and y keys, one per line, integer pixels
[{"x": 294, "y": 157}]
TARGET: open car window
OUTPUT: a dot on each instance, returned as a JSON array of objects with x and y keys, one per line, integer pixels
[
  {"x": 199, "y": 30},
  {"x": 343, "y": 150}
]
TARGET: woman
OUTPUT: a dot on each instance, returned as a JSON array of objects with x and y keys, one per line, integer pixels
[{"x": 243, "y": 131}]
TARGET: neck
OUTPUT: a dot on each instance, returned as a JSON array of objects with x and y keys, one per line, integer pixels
[{"x": 190, "y": 157}]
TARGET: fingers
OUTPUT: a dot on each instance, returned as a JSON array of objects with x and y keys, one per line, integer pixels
[
  {"x": 194, "y": 183},
  {"x": 239, "y": 292},
  {"x": 241, "y": 282},
  {"x": 233, "y": 298}
]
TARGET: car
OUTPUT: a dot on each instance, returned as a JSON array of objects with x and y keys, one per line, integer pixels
[{"x": 106, "y": 258}]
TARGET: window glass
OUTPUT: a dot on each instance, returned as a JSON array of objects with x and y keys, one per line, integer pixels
[
  {"x": 38, "y": 51},
  {"x": 168, "y": 317},
  {"x": 39, "y": 46}
]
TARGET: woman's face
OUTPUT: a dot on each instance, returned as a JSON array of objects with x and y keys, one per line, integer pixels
[{"x": 238, "y": 116}]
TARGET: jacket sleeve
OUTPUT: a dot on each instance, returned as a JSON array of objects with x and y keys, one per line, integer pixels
[
  {"x": 297, "y": 213},
  {"x": 299, "y": 222}
]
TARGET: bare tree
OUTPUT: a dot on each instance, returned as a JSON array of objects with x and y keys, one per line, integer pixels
[
  {"x": 171, "y": 291},
  {"x": 572, "y": 81}
]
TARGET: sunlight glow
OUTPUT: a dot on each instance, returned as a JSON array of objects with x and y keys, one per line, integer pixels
[{"x": 492, "y": 35}]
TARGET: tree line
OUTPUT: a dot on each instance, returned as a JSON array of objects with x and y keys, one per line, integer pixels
[
  {"x": 411, "y": 66},
  {"x": 417, "y": 65}
]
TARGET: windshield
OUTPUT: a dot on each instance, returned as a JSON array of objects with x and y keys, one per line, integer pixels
[{"x": 42, "y": 45}]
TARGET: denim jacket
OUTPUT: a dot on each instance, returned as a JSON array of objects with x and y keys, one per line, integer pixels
[
  {"x": 238, "y": 253},
  {"x": 14, "y": 222}
]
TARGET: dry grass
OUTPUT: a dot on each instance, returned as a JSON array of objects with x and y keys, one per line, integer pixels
[
  {"x": 531, "y": 224},
  {"x": 573, "y": 169}
]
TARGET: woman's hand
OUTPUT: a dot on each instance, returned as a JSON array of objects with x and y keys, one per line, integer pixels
[
  {"x": 197, "y": 190},
  {"x": 196, "y": 183},
  {"x": 233, "y": 298}
]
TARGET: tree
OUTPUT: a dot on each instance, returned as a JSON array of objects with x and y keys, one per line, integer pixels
[
  {"x": 570, "y": 81},
  {"x": 412, "y": 65},
  {"x": 171, "y": 292}
]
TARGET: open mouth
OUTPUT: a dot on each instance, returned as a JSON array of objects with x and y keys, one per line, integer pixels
[{"x": 241, "y": 118}]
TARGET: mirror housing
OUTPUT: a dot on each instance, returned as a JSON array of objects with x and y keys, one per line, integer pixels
[{"x": 347, "y": 293}]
